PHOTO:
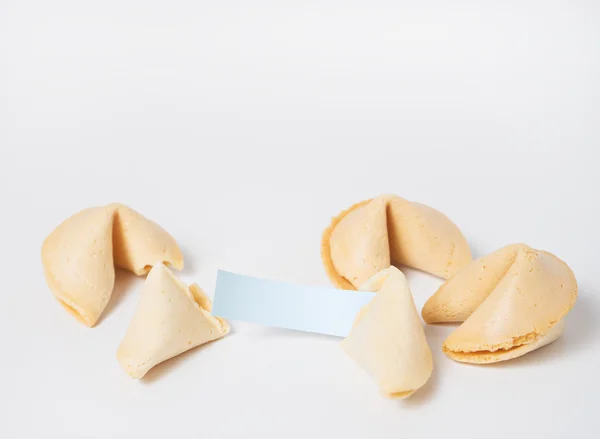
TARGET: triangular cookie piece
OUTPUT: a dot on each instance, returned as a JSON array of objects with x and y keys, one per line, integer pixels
[
  {"x": 170, "y": 319},
  {"x": 387, "y": 337}
]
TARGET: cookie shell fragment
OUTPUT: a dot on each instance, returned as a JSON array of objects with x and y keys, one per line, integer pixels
[
  {"x": 387, "y": 338},
  {"x": 170, "y": 319}
]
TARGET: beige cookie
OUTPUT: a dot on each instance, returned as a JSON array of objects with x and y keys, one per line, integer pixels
[
  {"x": 457, "y": 298},
  {"x": 511, "y": 301},
  {"x": 387, "y": 338},
  {"x": 388, "y": 230},
  {"x": 170, "y": 319},
  {"x": 80, "y": 255}
]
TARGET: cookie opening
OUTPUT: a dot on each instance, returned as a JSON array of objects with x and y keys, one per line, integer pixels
[
  {"x": 516, "y": 343},
  {"x": 78, "y": 315},
  {"x": 146, "y": 269},
  {"x": 399, "y": 395},
  {"x": 483, "y": 356}
]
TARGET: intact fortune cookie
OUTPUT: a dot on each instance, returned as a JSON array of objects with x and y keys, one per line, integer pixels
[
  {"x": 512, "y": 301},
  {"x": 387, "y": 338},
  {"x": 389, "y": 230},
  {"x": 80, "y": 255},
  {"x": 170, "y": 319}
]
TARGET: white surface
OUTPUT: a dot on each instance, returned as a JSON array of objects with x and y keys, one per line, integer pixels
[{"x": 242, "y": 130}]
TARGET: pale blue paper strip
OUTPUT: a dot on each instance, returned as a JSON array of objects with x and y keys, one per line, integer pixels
[{"x": 286, "y": 305}]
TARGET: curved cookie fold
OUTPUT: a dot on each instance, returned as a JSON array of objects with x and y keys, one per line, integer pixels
[
  {"x": 359, "y": 244},
  {"x": 170, "y": 319},
  {"x": 513, "y": 302},
  {"x": 80, "y": 255},
  {"x": 457, "y": 298},
  {"x": 387, "y": 338},
  {"x": 373, "y": 234},
  {"x": 138, "y": 242}
]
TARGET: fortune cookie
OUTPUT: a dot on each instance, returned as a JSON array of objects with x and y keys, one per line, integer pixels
[
  {"x": 80, "y": 255},
  {"x": 170, "y": 319},
  {"x": 511, "y": 301},
  {"x": 387, "y": 338},
  {"x": 388, "y": 230}
]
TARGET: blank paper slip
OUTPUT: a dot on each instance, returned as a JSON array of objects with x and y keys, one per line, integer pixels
[{"x": 317, "y": 309}]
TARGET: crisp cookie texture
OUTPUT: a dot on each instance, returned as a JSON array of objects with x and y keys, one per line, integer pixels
[
  {"x": 388, "y": 230},
  {"x": 80, "y": 255},
  {"x": 170, "y": 319},
  {"x": 457, "y": 298},
  {"x": 387, "y": 337},
  {"x": 512, "y": 302}
]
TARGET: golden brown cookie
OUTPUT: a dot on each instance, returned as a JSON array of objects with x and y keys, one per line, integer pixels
[
  {"x": 80, "y": 255},
  {"x": 512, "y": 302},
  {"x": 388, "y": 230}
]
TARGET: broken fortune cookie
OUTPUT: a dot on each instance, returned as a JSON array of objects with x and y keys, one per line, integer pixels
[
  {"x": 170, "y": 319},
  {"x": 387, "y": 338},
  {"x": 512, "y": 301},
  {"x": 389, "y": 230},
  {"x": 80, "y": 255}
]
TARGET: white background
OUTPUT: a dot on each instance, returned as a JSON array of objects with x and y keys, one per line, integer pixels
[{"x": 242, "y": 127}]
